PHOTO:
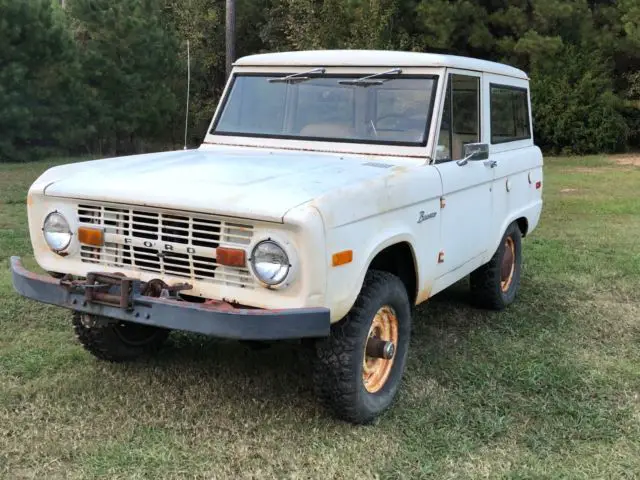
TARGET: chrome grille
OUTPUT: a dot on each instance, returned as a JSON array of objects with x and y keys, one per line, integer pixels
[{"x": 177, "y": 244}]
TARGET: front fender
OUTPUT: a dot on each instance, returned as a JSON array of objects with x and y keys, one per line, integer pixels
[
  {"x": 345, "y": 282},
  {"x": 374, "y": 215}
]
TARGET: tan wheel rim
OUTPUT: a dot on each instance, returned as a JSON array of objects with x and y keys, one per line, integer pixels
[
  {"x": 508, "y": 265},
  {"x": 375, "y": 371}
]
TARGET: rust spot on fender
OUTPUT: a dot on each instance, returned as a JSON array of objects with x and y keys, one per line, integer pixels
[
  {"x": 400, "y": 169},
  {"x": 423, "y": 294},
  {"x": 41, "y": 248}
]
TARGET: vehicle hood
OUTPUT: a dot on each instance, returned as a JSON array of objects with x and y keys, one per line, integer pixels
[{"x": 252, "y": 183}]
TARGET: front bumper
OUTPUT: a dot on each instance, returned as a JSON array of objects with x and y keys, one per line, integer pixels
[{"x": 218, "y": 320}]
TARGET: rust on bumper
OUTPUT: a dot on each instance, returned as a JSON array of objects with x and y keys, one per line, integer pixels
[{"x": 218, "y": 319}]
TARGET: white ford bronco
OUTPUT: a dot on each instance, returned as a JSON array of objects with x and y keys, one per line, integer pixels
[{"x": 334, "y": 191}]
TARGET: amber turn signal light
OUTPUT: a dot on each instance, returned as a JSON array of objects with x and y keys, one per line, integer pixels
[
  {"x": 91, "y": 236},
  {"x": 340, "y": 258},
  {"x": 231, "y": 257}
]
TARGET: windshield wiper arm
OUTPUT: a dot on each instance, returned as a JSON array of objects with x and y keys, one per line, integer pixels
[
  {"x": 295, "y": 77},
  {"x": 366, "y": 81}
]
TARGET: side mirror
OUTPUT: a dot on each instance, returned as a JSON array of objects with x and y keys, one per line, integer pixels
[{"x": 474, "y": 151}]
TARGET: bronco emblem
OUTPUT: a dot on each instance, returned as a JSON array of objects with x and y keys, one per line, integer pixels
[{"x": 425, "y": 216}]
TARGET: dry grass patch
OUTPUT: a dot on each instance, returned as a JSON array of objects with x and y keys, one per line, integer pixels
[{"x": 626, "y": 159}]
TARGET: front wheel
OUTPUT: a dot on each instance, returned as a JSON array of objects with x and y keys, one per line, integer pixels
[
  {"x": 117, "y": 341},
  {"x": 495, "y": 284},
  {"x": 360, "y": 365}
]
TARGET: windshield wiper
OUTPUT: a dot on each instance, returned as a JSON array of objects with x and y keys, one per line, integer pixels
[
  {"x": 295, "y": 77},
  {"x": 367, "y": 82}
]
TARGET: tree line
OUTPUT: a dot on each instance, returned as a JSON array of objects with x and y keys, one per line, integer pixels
[{"x": 109, "y": 76}]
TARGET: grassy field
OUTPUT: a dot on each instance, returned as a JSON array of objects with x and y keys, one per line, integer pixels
[{"x": 548, "y": 389}]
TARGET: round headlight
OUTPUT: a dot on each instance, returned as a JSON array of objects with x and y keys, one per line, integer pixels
[
  {"x": 56, "y": 231},
  {"x": 270, "y": 262}
]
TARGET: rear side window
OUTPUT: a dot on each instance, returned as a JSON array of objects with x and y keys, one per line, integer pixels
[{"x": 509, "y": 114}]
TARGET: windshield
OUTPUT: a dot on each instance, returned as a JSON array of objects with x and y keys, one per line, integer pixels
[{"x": 390, "y": 110}]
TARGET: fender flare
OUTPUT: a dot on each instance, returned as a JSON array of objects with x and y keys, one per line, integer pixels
[
  {"x": 531, "y": 213},
  {"x": 378, "y": 245}
]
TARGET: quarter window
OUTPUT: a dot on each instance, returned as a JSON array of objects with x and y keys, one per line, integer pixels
[{"x": 509, "y": 114}]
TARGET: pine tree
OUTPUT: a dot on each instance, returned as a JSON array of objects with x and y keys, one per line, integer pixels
[
  {"x": 130, "y": 62},
  {"x": 40, "y": 92}
]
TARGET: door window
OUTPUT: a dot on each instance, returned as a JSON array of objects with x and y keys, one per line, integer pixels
[{"x": 460, "y": 117}]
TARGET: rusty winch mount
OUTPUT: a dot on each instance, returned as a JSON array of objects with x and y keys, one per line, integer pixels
[
  {"x": 158, "y": 288},
  {"x": 116, "y": 290}
]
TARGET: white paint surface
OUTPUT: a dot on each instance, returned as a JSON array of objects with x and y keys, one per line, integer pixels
[{"x": 319, "y": 198}]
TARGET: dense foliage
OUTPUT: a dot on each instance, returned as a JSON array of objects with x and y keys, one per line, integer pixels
[
  {"x": 108, "y": 76},
  {"x": 39, "y": 82},
  {"x": 129, "y": 58}
]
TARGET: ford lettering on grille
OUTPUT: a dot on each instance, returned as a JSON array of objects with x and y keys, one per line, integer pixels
[{"x": 178, "y": 244}]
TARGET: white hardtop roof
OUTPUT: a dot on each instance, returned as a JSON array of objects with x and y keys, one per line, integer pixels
[{"x": 375, "y": 58}]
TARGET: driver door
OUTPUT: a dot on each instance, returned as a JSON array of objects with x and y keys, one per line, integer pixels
[{"x": 466, "y": 211}]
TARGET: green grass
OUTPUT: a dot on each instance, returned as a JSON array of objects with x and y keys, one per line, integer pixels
[{"x": 549, "y": 388}]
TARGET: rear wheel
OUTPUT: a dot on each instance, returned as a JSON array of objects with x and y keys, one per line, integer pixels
[
  {"x": 496, "y": 284},
  {"x": 360, "y": 365},
  {"x": 117, "y": 341}
]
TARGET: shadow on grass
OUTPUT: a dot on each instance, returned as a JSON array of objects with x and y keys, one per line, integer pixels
[
  {"x": 282, "y": 369},
  {"x": 453, "y": 344},
  {"x": 257, "y": 381}
]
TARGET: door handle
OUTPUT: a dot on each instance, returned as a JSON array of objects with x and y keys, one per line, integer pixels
[{"x": 491, "y": 163}]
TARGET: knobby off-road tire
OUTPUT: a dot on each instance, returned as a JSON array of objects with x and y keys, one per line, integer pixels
[
  {"x": 495, "y": 284},
  {"x": 341, "y": 366},
  {"x": 117, "y": 342}
]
